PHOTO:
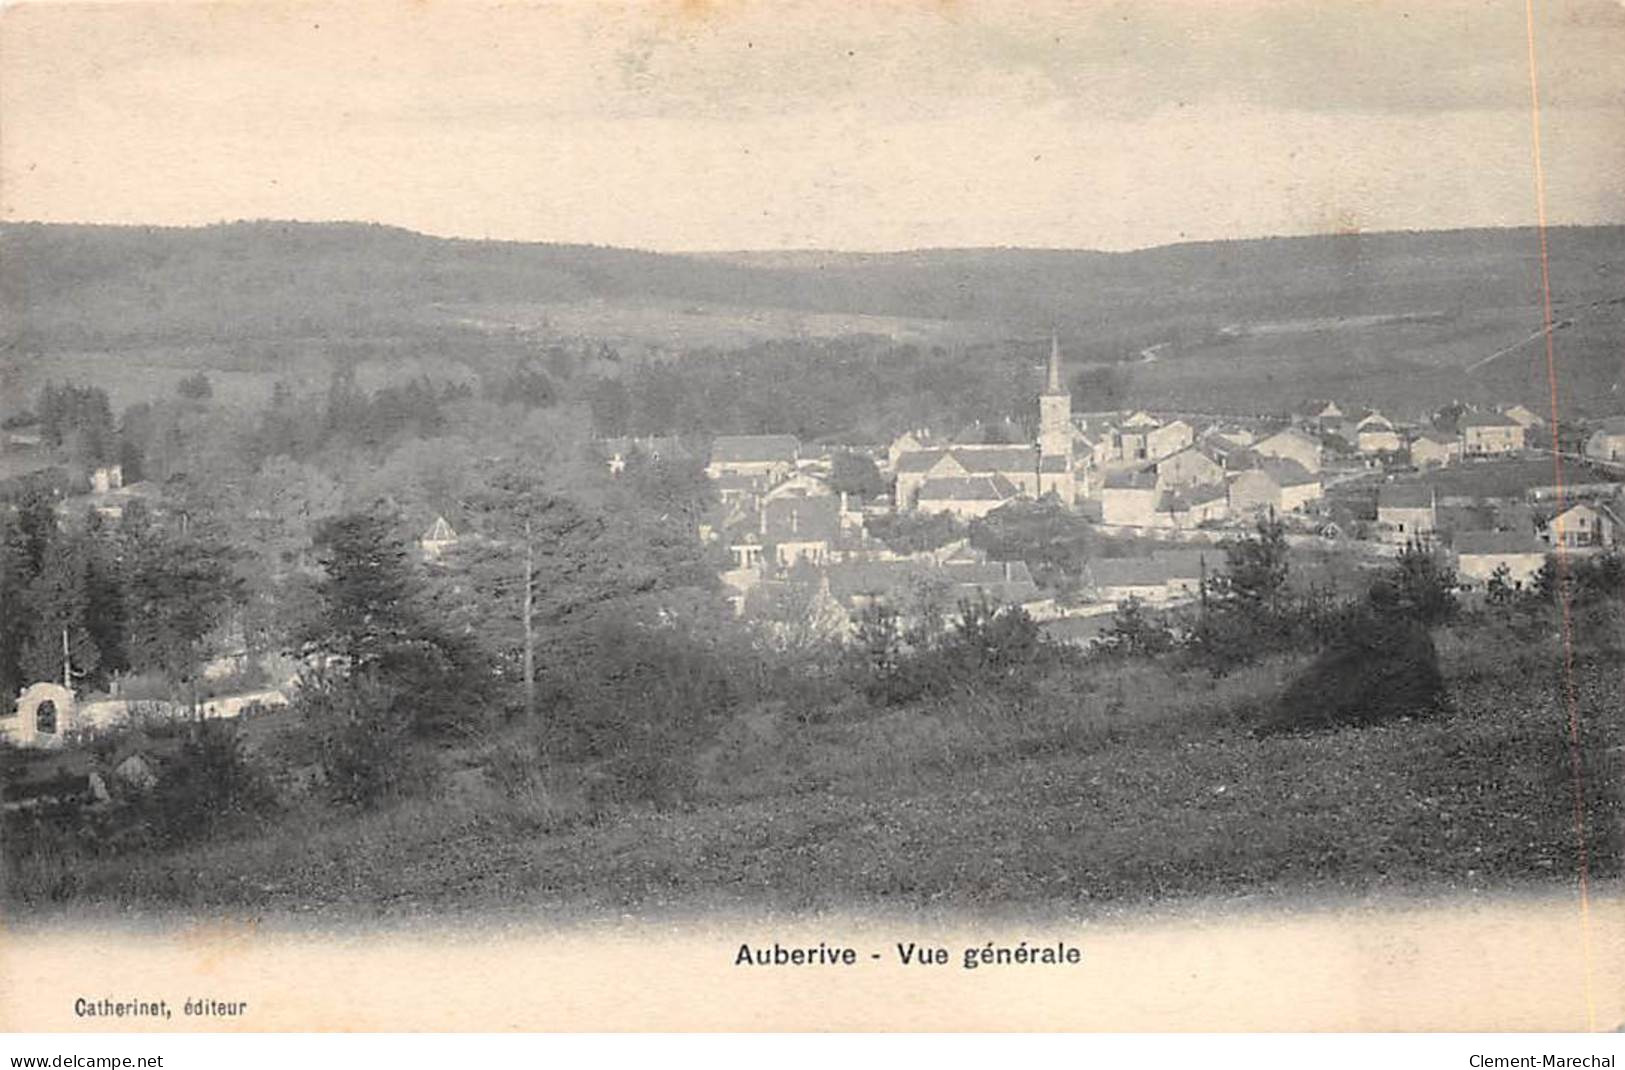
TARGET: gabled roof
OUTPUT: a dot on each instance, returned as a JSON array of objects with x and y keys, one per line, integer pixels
[
  {"x": 1441, "y": 438},
  {"x": 1140, "y": 420},
  {"x": 1155, "y": 571},
  {"x": 1253, "y": 474},
  {"x": 979, "y": 488},
  {"x": 1595, "y": 508},
  {"x": 1287, "y": 473},
  {"x": 1613, "y": 425},
  {"x": 754, "y": 449},
  {"x": 1290, "y": 434},
  {"x": 1486, "y": 419},
  {"x": 1468, "y": 543},
  {"x": 985, "y": 459},
  {"x": 850, "y": 579},
  {"x": 983, "y": 573},
  {"x": 1196, "y": 451},
  {"x": 1201, "y": 494},
  {"x": 920, "y": 460},
  {"x": 1405, "y": 496}
]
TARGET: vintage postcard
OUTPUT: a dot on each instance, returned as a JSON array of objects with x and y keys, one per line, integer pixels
[{"x": 778, "y": 515}]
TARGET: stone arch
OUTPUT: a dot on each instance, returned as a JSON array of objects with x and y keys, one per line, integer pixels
[{"x": 39, "y": 706}]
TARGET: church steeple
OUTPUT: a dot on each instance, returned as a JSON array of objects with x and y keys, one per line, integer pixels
[{"x": 1053, "y": 384}]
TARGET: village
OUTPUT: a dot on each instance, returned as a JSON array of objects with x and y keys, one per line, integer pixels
[
  {"x": 801, "y": 556},
  {"x": 1169, "y": 488}
]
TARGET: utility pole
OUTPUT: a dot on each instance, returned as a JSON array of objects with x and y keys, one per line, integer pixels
[{"x": 67, "y": 661}]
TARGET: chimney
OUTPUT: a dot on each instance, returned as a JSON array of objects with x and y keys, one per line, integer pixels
[
  {"x": 795, "y": 520},
  {"x": 843, "y": 502}
]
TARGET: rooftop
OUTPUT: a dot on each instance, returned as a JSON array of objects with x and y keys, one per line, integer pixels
[{"x": 754, "y": 449}]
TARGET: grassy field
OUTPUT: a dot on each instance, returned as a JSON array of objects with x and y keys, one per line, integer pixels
[{"x": 1109, "y": 787}]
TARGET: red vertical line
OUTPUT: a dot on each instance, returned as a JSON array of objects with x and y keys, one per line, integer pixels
[{"x": 1560, "y": 555}]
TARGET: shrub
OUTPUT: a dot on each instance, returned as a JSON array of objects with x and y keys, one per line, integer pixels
[
  {"x": 1378, "y": 670},
  {"x": 208, "y": 787},
  {"x": 363, "y": 737}
]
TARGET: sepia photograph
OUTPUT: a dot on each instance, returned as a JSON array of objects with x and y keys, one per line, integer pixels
[{"x": 768, "y": 515}]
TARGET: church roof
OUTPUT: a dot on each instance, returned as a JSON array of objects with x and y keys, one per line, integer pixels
[
  {"x": 979, "y": 488},
  {"x": 986, "y": 459}
]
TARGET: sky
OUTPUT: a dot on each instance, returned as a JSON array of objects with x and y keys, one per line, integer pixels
[{"x": 832, "y": 124}]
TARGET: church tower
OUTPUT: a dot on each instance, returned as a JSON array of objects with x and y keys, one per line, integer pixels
[
  {"x": 1055, "y": 409},
  {"x": 1055, "y": 431}
]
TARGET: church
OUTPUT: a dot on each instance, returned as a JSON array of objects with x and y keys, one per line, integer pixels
[{"x": 972, "y": 481}]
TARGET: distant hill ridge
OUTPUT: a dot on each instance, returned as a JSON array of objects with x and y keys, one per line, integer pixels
[{"x": 63, "y": 282}]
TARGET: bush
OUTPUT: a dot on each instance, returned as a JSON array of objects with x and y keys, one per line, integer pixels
[
  {"x": 363, "y": 738},
  {"x": 208, "y": 787},
  {"x": 1378, "y": 670}
]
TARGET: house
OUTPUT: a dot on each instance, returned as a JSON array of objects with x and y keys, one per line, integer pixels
[
  {"x": 1299, "y": 487},
  {"x": 1435, "y": 448},
  {"x": 1190, "y": 467},
  {"x": 1407, "y": 511},
  {"x": 1479, "y": 554},
  {"x": 1320, "y": 412},
  {"x": 772, "y": 456},
  {"x": 1254, "y": 491},
  {"x": 911, "y": 442},
  {"x": 1375, "y": 434},
  {"x": 1607, "y": 442},
  {"x": 1005, "y": 583},
  {"x": 965, "y": 497},
  {"x": 1231, "y": 437},
  {"x": 1169, "y": 438},
  {"x": 1196, "y": 506},
  {"x": 1291, "y": 445},
  {"x": 1582, "y": 526},
  {"x": 786, "y": 531},
  {"x": 1165, "y": 577},
  {"x": 1130, "y": 499},
  {"x": 1524, "y": 416},
  {"x": 1019, "y": 465},
  {"x": 1489, "y": 433}
]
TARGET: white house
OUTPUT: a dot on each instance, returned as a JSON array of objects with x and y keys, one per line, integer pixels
[
  {"x": 1407, "y": 512},
  {"x": 1479, "y": 554},
  {"x": 1582, "y": 526},
  {"x": 1490, "y": 433}
]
